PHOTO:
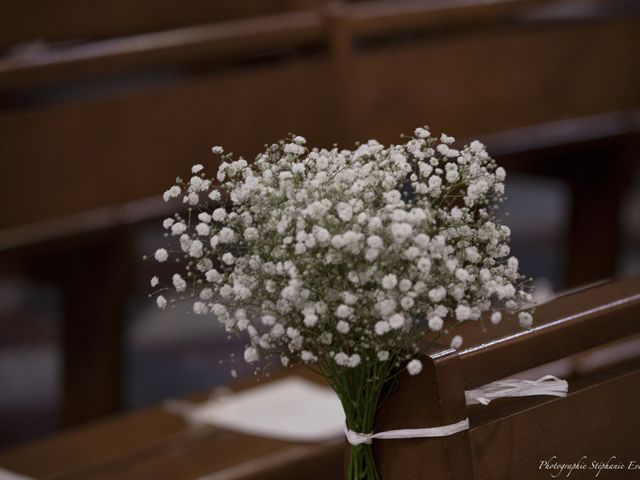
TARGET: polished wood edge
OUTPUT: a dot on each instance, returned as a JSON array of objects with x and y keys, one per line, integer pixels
[
  {"x": 161, "y": 48},
  {"x": 565, "y": 326},
  {"x": 250, "y": 35}
]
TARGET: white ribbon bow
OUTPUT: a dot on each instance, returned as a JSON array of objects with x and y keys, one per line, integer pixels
[
  {"x": 355, "y": 438},
  {"x": 512, "y": 387}
]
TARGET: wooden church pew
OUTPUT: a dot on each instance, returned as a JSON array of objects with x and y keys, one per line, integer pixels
[
  {"x": 596, "y": 157},
  {"x": 153, "y": 443},
  {"x": 510, "y": 437},
  {"x": 73, "y": 20},
  {"x": 507, "y": 439}
]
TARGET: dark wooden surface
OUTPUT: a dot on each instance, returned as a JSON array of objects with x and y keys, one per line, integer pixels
[
  {"x": 73, "y": 20},
  {"x": 598, "y": 419},
  {"x": 433, "y": 398},
  {"x": 509, "y": 438}
]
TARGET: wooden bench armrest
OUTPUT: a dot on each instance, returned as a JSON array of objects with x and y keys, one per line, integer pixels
[{"x": 565, "y": 326}]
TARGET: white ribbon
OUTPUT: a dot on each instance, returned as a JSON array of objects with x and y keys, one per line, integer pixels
[
  {"x": 512, "y": 387},
  {"x": 355, "y": 438}
]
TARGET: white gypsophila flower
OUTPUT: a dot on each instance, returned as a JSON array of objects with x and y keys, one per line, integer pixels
[
  {"x": 200, "y": 308},
  {"x": 396, "y": 321},
  {"x": 389, "y": 281},
  {"x": 308, "y": 357},
  {"x": 436, "y": 323},
  {"x": 383, "y": 355},
  {"x": 342, "y": 257},
  {"x": 219, "y": 214},
  {"x": 161, "y": 255},
  {"x": 227, "y": 235},
  {"x": 251, "y": 355},
  {"x": 341, "y": 359},
  {"x": 456, "y": 342},
  {"x": 173, "y": 192},
  {"x": 154, "y": 281},
  {"x": 178, "y": 228},
  {"x": 197, "y": 168},
  {"x": 437, "y": 294},
  {"x": 167, "y": 223},
  {"x": 277, "y": 331},
  {"x": 161, "y": 302},
  {"x": 463, "y": 313},
  {"x": 414, "y": 367},
  {"x": 310, "y": 319},
  {"x": 374, "y": 241},
  {"x": 343, "y": 311},
  {"x": 344, "y": 211},
  {"x": 354, "y": 360},
  {"x": 228, "y": 258},
  {"x": 343, "y": 327},
  {"x": 525, "y": 319},
  {"x": 422, "y": 132},
  {"x": 203, "y": 229},
  {"x": 196, "y": 249},
  {"x": 207, "y": 294},
  {"x": 407, "y": 302},
  {"x": 382, "y": 327},
  {"x": 191, "y": 198},
  {"x": 179, "y": 283}
]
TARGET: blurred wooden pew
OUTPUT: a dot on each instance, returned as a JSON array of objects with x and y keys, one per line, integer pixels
[
  {"x": 153, "y": 443},
  {"x": 73, "y": 20},
  {"x": 343, "y": 74},
  {"x": 89, "y": 126},
  {"x": 507, "y": 439}
]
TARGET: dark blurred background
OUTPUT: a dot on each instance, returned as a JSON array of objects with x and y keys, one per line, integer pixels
[{"x": 104, "y": 102}]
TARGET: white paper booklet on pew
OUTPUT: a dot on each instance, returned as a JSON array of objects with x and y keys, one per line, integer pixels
[
  {"x": 7, "y": 475},
  {"x": 296, "y": 409},
  {"x": 292, "y": 408}
]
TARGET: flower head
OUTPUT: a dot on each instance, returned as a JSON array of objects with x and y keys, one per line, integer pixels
[{"x": 344, "y": 258}]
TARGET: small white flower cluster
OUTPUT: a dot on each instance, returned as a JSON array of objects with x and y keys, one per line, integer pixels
[{"x": 342, "y": 258}]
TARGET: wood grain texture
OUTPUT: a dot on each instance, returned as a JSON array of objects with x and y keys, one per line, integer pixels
[
  {"x": 433, "y": 398},
  {"x": 597, "y": 420},
  {"x": 479, "y": 83}
]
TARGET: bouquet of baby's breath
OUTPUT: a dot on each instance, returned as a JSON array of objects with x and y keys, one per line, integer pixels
[{"x": 344, "y": 259}]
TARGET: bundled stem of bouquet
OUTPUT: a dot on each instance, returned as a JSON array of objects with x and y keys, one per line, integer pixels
[
  {"x": 359, "y": 390},
  {"x": 344, "y": 259}
]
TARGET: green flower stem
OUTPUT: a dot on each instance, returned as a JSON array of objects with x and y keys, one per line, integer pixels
[{"x": 359, "y": 390}]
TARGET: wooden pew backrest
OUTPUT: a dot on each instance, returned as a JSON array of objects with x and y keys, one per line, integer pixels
[{"x": 510, "y": 437}]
